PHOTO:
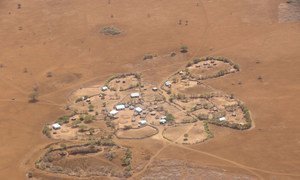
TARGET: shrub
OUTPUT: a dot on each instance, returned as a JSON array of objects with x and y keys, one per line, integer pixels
[
  {"x": 203, "y": 116},
  {"x": 170, "y": 117},
  {"x": 91, "y": 108},
  {"x": 33, "y": 97},
  {"x": 184, "y": 49},
  {"x": 126, "y": 161},
  {"x": 206, "y": 129},
  {"x": 148, "y": 56},
  {"x": 46, "y": 131},
  {"x": 49, "y": 74},
  {"x": 236, "y": 66},
  {"x": 127, "y": 127},
  {"x": 76, "y": 123},
  {"x": 63, "y": 120},
  {"x": 110, "y": 31},
  {"x": 82, "y": 128},
  {"x": 110, "y": 155},
  {"x": 88, "y": 118}
]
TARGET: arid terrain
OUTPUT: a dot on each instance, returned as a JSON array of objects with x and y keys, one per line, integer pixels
[{"x": 54, "y": 52}]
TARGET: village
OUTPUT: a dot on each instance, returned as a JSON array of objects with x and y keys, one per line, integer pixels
[{"x": 179, "y": 110}]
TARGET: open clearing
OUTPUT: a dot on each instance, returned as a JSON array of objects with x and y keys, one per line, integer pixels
[{"x": 57, "y": 47}]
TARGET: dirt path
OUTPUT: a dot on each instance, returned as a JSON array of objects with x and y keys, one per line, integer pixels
[{"x": 236, "y": 163}]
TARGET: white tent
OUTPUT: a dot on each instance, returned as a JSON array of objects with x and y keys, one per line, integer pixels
[
  {"x": 168, "y": 83},
  {"x": 120, "y": 107},
  {"x": 222, "y": 119},
  {"x": 135, "y": 95},
  {"x": 104, "y": 88},
  {"x": 162, "y": 121},
  {"x": 154, "y": 88},
  {"x": 143, "y": 122},
  {"x": 138, "y": 109},
  {"x": 113, "y": 112},
  {"x": 56, "y": 126}
]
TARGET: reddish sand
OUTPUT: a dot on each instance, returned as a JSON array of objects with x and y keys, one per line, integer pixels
[{"x": 63, "y": 37}]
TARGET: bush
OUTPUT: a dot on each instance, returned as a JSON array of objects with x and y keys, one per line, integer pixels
[
  {"x": 110, "y": 155},
  {"x": 206, "y": 129},
  {"x": 33, "y": 97},
  {"x": 82, "y": 128},
  {"x": 148, "y": 56},
  {"x": 203, "y": 116},
  {"x": 76, "y": 123},
  {"x": 126, "y": 161},
  {"x": 184, "y": 49},
  {"x": 91, "y": 108},
  {"x": 49, "y": 74},
  {"x": 170, "y": 117},
  {"x": 236, "y": 66},
  {"x": 127, "y": 127},
  {"x": 63, "y": 120},
  {"x": 88, "y": 118},
  {"x": 110, "y": 31},
  {"x": 46, "y": 131}
]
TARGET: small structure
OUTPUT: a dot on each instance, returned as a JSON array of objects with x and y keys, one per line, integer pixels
[
  {"x": 131, "y": 107},
  {"x": 104, "y": 88},
  {"x": 135, "y": 95},
  {"x": 168, "y": 83},
  {"x": 143, "y": 122},
  {"x": 113, "y": 112},
  {"x": 138, "y": 110},
  {"x": 162, "y": 121},
  {"x": 154, "y": 89},
  {"x": 222, "y": 119},
  {"x": 120, "y": 107},
  {"x": 56, "y": 126}
]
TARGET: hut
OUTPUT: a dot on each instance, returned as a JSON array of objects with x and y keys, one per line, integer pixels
[
  {"x": 120, "y": 107},
  {"x": 168, "y": 83},
  {"x": 222, "y": 119},
  {"x": 56, "y": 126},
  {"x": 104, "y": 88},
  {"x": 135, "y": 95},
  {"x": 113, "y": 112},
  {"x": 143, "y": 122},
  {"x": 138, "y": 110}
]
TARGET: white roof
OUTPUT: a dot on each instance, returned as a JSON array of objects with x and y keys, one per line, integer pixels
[
  {"x": 56, "y": 126},
  {"x": 120, "y": 106},
  {"x": 154, "y": 88},
  {"x": 135, "y": 94},
  {"x": 143, "y": 121},
  {"x": 113, "y": 112},
  {"x": 104, "y": 88},
  {"x": 162, "y": 120},
  {"x": 168, "y": 83},
  {"x": 138, "y": 109},
  {"x": 222, "y": 119}
]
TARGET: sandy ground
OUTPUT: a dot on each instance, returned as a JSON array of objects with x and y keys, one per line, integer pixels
[{"x": 63, "y": 37}]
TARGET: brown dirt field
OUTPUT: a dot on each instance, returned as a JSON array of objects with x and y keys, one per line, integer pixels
[
  {"x": 136, "y": 133},
  {"x": 63, "y": 37}
]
